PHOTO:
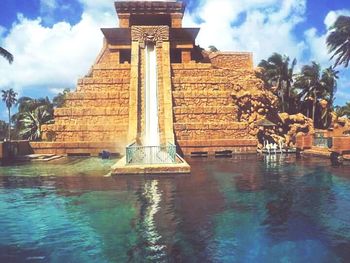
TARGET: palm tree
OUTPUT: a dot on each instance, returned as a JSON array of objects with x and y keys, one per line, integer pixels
[
  {"x": 342, "y": 111},
  {"x": 9, "y": 97},
  {"x": 60, "y": 99},
  {"x": 32, "y": 114},
  {"x": 277, "y": 72},
  {"x": 32, "y": 121},
  {"x": 315, "y": 85},
  {"x": 338, "y": 41},
  {"x": 329, "y": 81},
  {"x": 213, "y": 48},
  {"x": 7, "y": 55},
  {"x": 309, "y": 82}
]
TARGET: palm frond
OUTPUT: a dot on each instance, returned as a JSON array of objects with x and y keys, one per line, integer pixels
[{"x": 7, "y": 55}]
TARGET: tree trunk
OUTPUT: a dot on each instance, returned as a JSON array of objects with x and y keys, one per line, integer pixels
[
  {"x": 314, "y": 108},
  {"x": 287, "y": 98},
  {"x": 9, "y": 128},
  {"x": 282, "y": 94}
]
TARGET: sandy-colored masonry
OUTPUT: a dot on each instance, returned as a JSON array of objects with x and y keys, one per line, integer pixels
[{"x": 204, "y": 94}]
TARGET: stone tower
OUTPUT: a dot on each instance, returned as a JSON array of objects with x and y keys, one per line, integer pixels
[{"x": 206, "y": 101}]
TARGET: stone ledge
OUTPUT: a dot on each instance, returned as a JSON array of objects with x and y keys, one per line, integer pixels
[
  {"x": 85, "y": 128},
  {"x": 89, "y": 95},
  {"x": 191, "y": 66},
  {"x": 218, "y": 143},
  {"x": 120, "y": 168},
  {"x": 91, "y": 111},
  {"x": 95, "y": 80},
  {"x": 108, "y": 66},
  {"x": 211, "y": 126},
  {"x": 204, "y": 109},
  {"x": 201, "y": 94},
  {"x": 91, "y": 148}
]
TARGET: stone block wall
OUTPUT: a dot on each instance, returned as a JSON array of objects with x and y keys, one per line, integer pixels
[
  {"x": 231, "y": 60},
  {"x": 341, "y": 144},
  {"x": 206, "y": 99},
  {"x": 98, "y": 110},
  {"x": 204, "y": 105}
]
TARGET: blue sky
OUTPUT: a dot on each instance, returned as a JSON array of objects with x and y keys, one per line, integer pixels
[{"x": 56, "y": 41}]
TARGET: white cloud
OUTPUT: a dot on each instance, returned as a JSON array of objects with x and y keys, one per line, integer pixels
[
  {"x": 333, "y": 15},
  {"x": 317, "y": 47},
  {"x": 57, "y": 56},
  {"x": 264, "y": 27},
  {"x": 268, "y": 26},
  {"x": 53, "y": 56}
]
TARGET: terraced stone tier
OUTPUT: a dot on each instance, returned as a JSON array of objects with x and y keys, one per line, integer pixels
[
  {"x": 91, "y": 111},
  {"x": 202, "y": 98},
  {"x": 204, "y": 114},
  {"x": 107, "y": 127},
  {"x": 103, "y": 87},
  {"x": 91, "y": 120},
  {"x": 213, "y": 146},
  {"x": 211, "y": 130},
  {"x": 107, "y": 80},
  {"x": 87, "y": 136}
]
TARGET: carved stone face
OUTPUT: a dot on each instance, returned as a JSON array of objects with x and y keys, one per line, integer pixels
[
  {"x": 149, "y": 38},
  {"x": 150, "y": 34}
]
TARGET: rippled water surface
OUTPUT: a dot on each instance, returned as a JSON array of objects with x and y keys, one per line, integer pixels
[{"x": 246, "y": 209}]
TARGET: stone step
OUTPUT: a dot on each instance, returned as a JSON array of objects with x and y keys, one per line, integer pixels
[
  {"x": 201, "y": 94},
  {"x": 109, "y": 66},
  {"x": 91, "y": 120},
  {"x": 85, "y": 128},
  {"x": 111, "y": 73},
  {"x": 90, "y": 95},
  {"x": 317, "y": 151},
  {"x": 103, "y": 87},
  {"x": 211, "y": 126},
  {"x": 206, "y": 118},
  {"x": 103, "y": 80},
  {"x": 205, "y": 109},
  {"x": 91, "y": 111}
]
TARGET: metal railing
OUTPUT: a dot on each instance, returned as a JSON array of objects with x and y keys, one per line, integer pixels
[{"x": 165, "y": 154}]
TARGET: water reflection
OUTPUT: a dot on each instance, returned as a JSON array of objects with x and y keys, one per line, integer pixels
[
  {"x": 150, "y": 244},
  {"x": 244, "y": 209}
]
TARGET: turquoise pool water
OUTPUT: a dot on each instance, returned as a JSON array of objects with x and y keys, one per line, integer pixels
[{"x": 246, "y": 209}]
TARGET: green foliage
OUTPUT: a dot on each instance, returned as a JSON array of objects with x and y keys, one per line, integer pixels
[
  {"x": 60, "y": 99},
  {"x": 338, "y": 41},
  {"x": 278, "y": 74},
  {"x": 7, "y": 55},
  {"x": 343, "y": 111},
  {"x": 31, "y": 115},
  {"x": 3, "y": 130},
  {"x": 9, "y": 97},
  {"x": 315, "y": 85},
  {"x": 303, "y": 92},
  {"x": 31, "y": 122},
  {"x": 213, "y": 49}
]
